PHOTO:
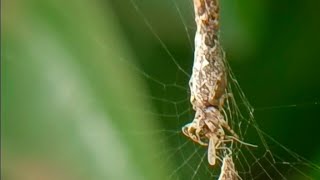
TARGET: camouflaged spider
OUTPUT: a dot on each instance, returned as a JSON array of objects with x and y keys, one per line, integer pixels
[{"x": 208, "y": 83}]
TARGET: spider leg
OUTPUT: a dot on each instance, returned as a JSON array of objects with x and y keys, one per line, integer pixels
[
  {"x": 223, "y": 98},
  {"x": 198, "y": 130},
  {"x": 241, "y": 142},
  {"x": 225, "y": 125},
  {"x": 193, "y": 130},
  {"x": 227, "y": 149},
  {"x": 188, "y": 130}
]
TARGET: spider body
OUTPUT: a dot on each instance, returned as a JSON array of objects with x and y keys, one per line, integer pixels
[{"x": 208, "y": 82}]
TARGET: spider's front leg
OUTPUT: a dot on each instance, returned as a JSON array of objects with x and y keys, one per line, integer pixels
[
  {"x": 189, "y": 129},
  {"x": 194, "y": 130},
  {"x": 223, "y": 99}
]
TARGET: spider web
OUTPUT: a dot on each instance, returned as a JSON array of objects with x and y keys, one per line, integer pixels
[{"x": 169, "y": 93}]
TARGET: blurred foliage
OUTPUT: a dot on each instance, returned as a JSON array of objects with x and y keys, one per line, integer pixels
[{"x": 69, "y": 103}]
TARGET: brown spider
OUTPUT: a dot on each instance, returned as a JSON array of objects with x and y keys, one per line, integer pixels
[{"x": 208, "y": 83}]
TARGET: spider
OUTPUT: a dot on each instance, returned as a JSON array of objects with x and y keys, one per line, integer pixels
[{"x": 208, "y": 83}]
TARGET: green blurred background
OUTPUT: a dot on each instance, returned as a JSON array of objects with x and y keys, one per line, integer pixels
[{"x": 80, "y": 78}]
